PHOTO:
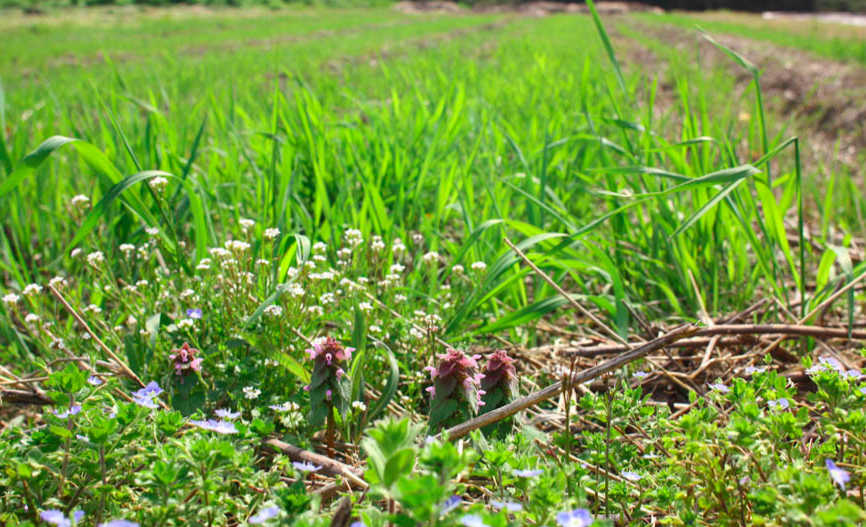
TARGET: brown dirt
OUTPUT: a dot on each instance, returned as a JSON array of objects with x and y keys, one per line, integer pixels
[{"x": 826, "y": 98}]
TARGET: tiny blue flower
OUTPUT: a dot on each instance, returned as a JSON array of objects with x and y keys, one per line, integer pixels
[
  {"x": 631, "y": 476},
  {"x": 719, "y": 387},
  {"x": 527, "y": 473},
  {"x": 265, "y": 515},
  {"x": 751, "y": 370},
  {"x": 225, "y": 413},
  {"x": 838, "y": 475},
  {"x": 220, "y": 427},
  {"x": 778, "y": 404},
  {"x": 76, "y": 408},
  {"x": 119, "y": 523},
  {"x": 473, "y": 520},
  {"x": 303, "y": 466},
  {"x": 449, "y": 505},
  {"x": 193, "y": 312},
  {"x": 57, "y": 517},
  {"x": 93, "y": 380},
  {"x": 510, "y": 506},
  {"x": 358, "y": 524},
  {"x": 575, "y": 518},
  {"x": 640, "y": 374}
]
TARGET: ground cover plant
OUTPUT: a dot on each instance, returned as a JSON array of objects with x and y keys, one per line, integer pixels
[{"x": 319, "y": 267}]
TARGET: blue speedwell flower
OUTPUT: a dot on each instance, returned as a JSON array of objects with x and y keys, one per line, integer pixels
[
  {"x": 838, "y": 475},
  {"x": 510, "y": 506},
  {"x": 66, "y": 413},
  {"x": 147, "y": 395},
  {"x": 303, "y": 466},
  {"x": 449, "y": 505},
  {"x": 265, "y": 515},
  {"x": 220, "y": 427},
  {"x": 94, "y": 380},
  {"x": 194, "y": 313},
  {"x": 119, "y": 523},
  {"x": 575, "y": 518},
  {"x": 719, "y": 387},
  {"x": 473, "y": 520},
  {"x": 225, "y": 413},
  {"x": 778, "y": 404},
  {"x": 527, "y": 473},
  {"x": 631, "y": 476},
  {"x": 59, "y": 519}
]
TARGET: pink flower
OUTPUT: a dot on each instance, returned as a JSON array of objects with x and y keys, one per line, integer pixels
[
  {"x": 328, "y": 394},
  {"x": 185, "y": 360}
]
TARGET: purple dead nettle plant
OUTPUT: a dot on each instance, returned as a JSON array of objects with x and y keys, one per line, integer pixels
[
  {"x": 499, "y": 387},
  {"x": 456, "y": 392},
  {"x": 330, "y": 388},
  {"x": 185, "y": 360}
]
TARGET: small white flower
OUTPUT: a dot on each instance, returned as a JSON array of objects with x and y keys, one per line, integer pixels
[
  {"x": 316, "y": 310},
  {"x": 296, "y": 291},
  {"x": 430, "y": 257},
  {"x": 359, "y": 405},
  {"x": 273, "y": 311},
  {"x": 237, "y": 245},
  {"x": 327, "y": 298},
  {"x": 141, "y": 284},
  {"x": 75, "y": 252},
  {"x": 251, "y": 393},
  {"x": 272, "y": 233},
  {"x": 219, "y": 252},
  {"x": 58, "y": 282},
  {"x": 186, "y": 323},
  {"x": 397, "y": 268},
  {"x": 80, "y": 201},
  {"x": 261, "y": 262},
  {"x": 187, "y": 293},
  {"x": 310, "y": 265},
  {"x": 375, "y": 329},
  {"x": 153, "y": 232},
  {"x": 366, "y": 307},
  {"x": 479, "y": 267},
  {"x": 158, "y": 183},
  {"x": 31, "y": 318},
  {"x": 127, "y": 248},
  {"x": 11, "y": 299},
  {"x": 246, "y": 224},
  {"x": 319, "y": 248},
  {"x": 93, "y": 308},
  {"x": 320, "y": 258},
  {"x": 417, "y": 238},
  {"x": 344, "y": 253},
  {"x": 353, "y": 237},
  {"x": 32, "y": 290},
  {"x": 95, "y": 258},
  {"x": 203, "y": 264},
  {"x": 399, "y": 298},
  {"x": 458, "y": 269},
  {"x": 377, "y": 245},
  {"x": 398, "y": 247}
]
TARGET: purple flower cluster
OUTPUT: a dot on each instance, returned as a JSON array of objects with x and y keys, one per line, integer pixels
[
  {"x": 329, "y": 387},
  {"x": 456, "y": 369},
  {"x": 456, "y": 391},
  {"x": 185, "y": 360}
]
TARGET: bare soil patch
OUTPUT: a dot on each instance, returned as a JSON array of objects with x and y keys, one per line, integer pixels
[{"x": 826, "y": 98}]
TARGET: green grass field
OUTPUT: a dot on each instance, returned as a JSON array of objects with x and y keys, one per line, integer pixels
[{"x": 248, "y": 181}]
